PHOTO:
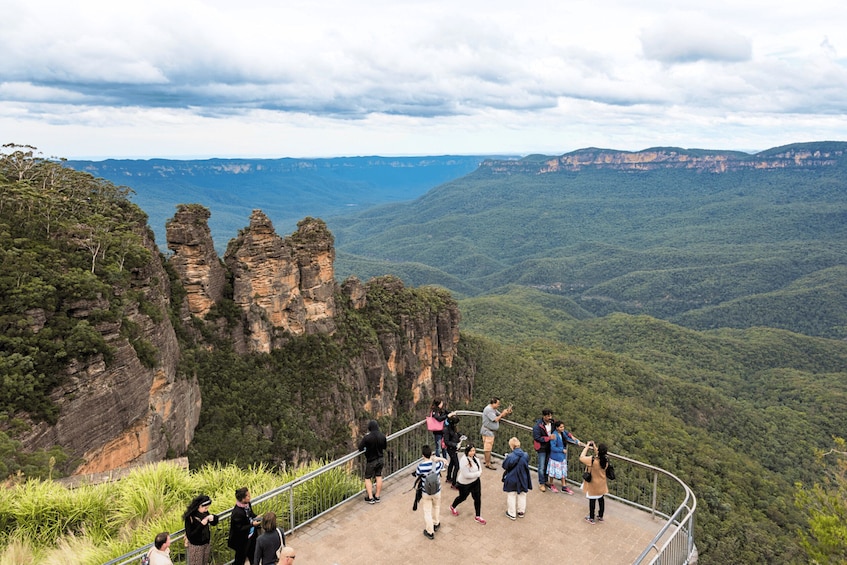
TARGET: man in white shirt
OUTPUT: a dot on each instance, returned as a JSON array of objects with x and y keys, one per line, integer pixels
[{"x": 160, "y": 553}]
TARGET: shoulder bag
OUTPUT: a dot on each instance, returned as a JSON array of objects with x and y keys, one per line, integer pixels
[
  {"x": 281, "y": 545},
  {"x": 586, "y": 476},
  {"x": 433, "y": 424}
]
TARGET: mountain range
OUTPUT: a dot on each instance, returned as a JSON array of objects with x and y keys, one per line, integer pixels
[
  {"x": 657, "y": 300},
  {"x": 286, "y": 190},
  {"x": 705, "y": 239}
]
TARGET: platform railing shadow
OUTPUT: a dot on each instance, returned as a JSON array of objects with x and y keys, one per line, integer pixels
[{"x": 298, "y": 503}]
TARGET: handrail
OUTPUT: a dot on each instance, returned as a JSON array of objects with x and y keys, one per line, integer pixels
[{"x": 404, "y": 452}]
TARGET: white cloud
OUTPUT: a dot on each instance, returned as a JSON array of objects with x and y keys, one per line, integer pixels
[
  {"x": 219, "y": 78},
  {"x": 690, "y": 39}
]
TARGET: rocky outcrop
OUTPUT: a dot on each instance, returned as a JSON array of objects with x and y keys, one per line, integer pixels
[
  {"x": 123, "y": 412},
  {"x": 811, "y": 155},
  {"x": 194, "y": 259},
  {"x": 283, "y": 286},
  {"x": 400, "y": 373}
]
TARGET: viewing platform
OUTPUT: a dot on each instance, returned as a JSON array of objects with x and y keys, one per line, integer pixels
[
  {"x": 554, "y": 529},
  {"x": 649, "y": 516}
]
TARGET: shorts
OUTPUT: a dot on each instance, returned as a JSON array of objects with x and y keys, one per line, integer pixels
[
  {"x": 374, "y": 468},
  {"x": 487, "y": 443}
]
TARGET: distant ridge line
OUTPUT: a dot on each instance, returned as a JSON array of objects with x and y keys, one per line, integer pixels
[{"x": 795, "y": 156}]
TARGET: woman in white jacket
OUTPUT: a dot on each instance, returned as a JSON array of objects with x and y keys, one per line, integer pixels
[{"x": 468, "y": 483}]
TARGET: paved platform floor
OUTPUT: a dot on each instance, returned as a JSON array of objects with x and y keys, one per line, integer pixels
[{"x": 553, "y": 531}]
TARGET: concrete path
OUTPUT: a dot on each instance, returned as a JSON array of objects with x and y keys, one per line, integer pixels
[{"x": 553, "y": 531}]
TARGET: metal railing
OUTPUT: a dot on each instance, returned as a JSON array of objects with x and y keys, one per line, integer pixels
[{"x": 311, "y": 496}]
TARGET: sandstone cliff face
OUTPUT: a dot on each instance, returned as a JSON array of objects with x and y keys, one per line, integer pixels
[
  {"x": 123, "y": 413},
  {"x": 401, "y": 373},
  {"x": 283, "y": 286},
  {"x": 675, "y": 158},
  {"x": 195, "y": 261}
]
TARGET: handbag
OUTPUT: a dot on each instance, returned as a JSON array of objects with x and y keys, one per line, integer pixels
[
  {"x": 433, "y": 424},
  {"x": 586, "y": 476},
  {"x": 281, "y": 545}
]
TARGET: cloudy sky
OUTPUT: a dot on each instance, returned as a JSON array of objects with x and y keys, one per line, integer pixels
[{"x": 292, "y": 78}]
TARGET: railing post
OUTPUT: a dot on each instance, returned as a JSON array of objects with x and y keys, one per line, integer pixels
[
  {"x": 291, "y": 512},
  {"x": 655, "y": 490}
]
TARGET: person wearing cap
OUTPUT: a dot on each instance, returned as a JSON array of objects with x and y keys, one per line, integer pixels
[{"x": 198, "y": 535}]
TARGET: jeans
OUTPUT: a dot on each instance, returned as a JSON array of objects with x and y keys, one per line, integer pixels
[
  {"x": 438, "y": 436},
  {"x": 543, "y": 456}
]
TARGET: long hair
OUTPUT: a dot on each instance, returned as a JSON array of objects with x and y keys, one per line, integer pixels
[
  {"x": 194, "y": 505},
  {"x": 268, "y": 521},
  {"x": 435, "y": 403},
  {"x": 602, "y": 450}
]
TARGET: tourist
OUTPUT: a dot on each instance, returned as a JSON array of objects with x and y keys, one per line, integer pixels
[
  {"x": 597, "y": 488},
  {"x": 490, "y": 424},
  {"x": 557, "y": 467},
  {"x": 242, "y": 527},
  {"x": 452, "y": 439},
  {"x": 435, "y": 422},
  {"x": 373, "y": 444},
  {"x": 198, "y": 535},
  {"x": 468, "y": 482},
  {"x": 160, "y": 553},
  {"x": 541, "y": 433},
  {"x": 517, "y": 480},
  {"x": 288, "y": 555},
  {"x": 431, "y": 502},
  {"x": 271, "y": 540}
]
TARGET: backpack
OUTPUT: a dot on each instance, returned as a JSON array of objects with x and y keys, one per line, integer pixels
[
  {"x": 431, "y": 483},
  {"x": 610, "y": 472},
  {"x": 145, "y": 559}
]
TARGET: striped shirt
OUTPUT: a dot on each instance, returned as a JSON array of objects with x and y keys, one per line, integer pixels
[{"x": 427, "y": 466}]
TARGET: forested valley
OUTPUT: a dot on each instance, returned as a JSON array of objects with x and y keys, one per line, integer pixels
[{"x": 695, "y": 322}]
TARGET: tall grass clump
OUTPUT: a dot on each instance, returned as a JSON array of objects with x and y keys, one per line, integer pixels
[
  {"x": 44, "y": 512},
  {"x": 46, "y": 522},
  {"x": 150, "y": 492}
]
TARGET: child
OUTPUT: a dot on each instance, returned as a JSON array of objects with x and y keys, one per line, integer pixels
[{"x": 557, "y": 466}]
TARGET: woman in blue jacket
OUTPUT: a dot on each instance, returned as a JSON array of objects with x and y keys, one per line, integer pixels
[{"x": 517, "y": 480}]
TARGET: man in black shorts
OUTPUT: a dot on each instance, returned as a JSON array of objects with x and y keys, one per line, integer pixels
[{"x": 373, "y": 444}]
